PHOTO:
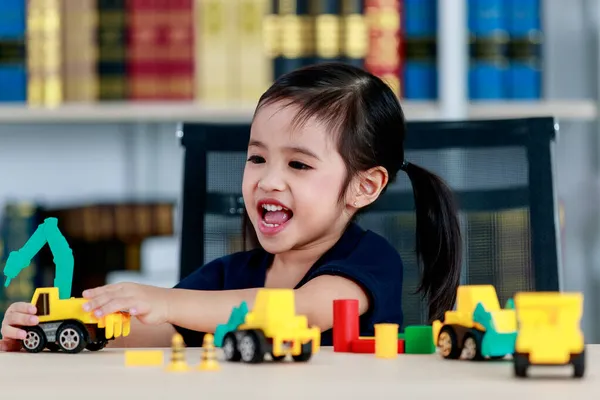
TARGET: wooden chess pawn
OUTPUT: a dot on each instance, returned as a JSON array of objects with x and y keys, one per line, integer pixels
[{"x": 208, "y": 361}]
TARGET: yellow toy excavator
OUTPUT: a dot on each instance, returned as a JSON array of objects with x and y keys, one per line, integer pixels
[{"x": 64, "y": 325}]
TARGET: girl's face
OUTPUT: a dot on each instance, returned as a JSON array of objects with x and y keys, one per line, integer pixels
[{"x": 292, "y": 181}]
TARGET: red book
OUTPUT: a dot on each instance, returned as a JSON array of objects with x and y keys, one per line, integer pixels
[
  {"x": 147, "y": 56},
  {"x": 180, "y": 50},
  {"x": 384, "y": 51}
]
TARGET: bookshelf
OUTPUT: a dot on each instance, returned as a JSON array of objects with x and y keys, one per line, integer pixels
[{"x": 174, "y": 112}]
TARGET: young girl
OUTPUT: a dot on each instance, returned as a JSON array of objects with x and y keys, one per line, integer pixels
[{"x": 325, "y": 142}]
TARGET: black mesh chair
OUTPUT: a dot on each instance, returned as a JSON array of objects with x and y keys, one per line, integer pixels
[{"x": 501, "y": 172}]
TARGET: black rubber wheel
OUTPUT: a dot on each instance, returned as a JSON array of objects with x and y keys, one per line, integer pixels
[
  {"x": 53, "y": 347},
  {"x": 521, "y": 364},
  {"x": 230, "y": 348},
  {"x": 252, "y": 347},
  {"x": 35, "y": 341},
  {"x": 277, "y": 358},
  {"x": 97, "y": 346},
  {"x": 578, "y": 365},
  {"x": 305, "y": 353},
  {"x": 448, "y": 343},
  {"x": 71, "y": 337}
]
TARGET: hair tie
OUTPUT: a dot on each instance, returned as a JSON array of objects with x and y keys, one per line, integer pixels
[{"x": 404, "y": 165}]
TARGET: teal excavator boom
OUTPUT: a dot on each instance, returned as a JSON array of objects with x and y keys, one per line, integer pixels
[{"x": 46, "y": 232}]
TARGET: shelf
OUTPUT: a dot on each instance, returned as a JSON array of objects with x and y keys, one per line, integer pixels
[{"x": 228, "y": 114}]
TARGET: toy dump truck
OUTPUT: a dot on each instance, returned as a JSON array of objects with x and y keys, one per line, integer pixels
[
  {"x": 478, "y": 329},
  {"x": 549, "y": 331},
  {"x": 271, "y": 327},
  {"x": 64, "y": 325}
]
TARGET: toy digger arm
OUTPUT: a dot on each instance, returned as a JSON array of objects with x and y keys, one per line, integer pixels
[{"x": 47, "y": 232}]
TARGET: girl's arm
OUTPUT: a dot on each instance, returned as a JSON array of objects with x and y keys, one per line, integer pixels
[{"x": 203, "y": 310}]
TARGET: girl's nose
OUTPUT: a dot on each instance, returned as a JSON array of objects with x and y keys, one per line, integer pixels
[{"x": 271, "y": 181}]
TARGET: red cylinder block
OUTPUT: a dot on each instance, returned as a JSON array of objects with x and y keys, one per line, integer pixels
[{"x": 345, "y": 324}]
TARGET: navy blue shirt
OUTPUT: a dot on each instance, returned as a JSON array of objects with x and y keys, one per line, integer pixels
[{"x": 360, "y": 255}]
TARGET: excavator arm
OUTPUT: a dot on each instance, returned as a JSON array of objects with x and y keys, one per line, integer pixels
[{"x": 47, "y": 232}]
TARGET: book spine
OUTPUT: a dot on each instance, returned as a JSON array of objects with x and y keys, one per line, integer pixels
[
  {"x": 180, "y": 50},
  {"x": 297, "y": 39},
  {"x": 78, "y": 47},
  {"x": 35, "y": 52},
  {"x": 52, "y": 50},
  {"x": 488, "y": 49},
  {"x": 326, "y": 17},
  {"x": 354, "y": 36},
  {"x": 419, "y": 74},
  {"x": 255, "y": 60},
  {"x": 112, "y": 48},
  {"x": 13, "y": 59},
  {"x": 525, "y": 58},
  {"x": 143, "y": 52},
  {"x": 214, "y": 51},
  {"x": 383, "y": 56}
]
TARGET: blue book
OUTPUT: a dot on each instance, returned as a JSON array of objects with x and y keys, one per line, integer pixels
[
  {"x": 488, "y": 62},
  {"x": 13, "y": 57},
  {"x": 419, "y": 76},
  {"x": 524, "y": 79}
]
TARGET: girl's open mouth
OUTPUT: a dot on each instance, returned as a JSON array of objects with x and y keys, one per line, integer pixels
[{"x": 274, "y": 216}]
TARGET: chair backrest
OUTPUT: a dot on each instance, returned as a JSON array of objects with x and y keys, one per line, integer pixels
[{"x": 500, "y": 170}]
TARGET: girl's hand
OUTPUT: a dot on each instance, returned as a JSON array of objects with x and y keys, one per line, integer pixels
[
  {"x": 16, "y": 315},
  {"x": 148, "y": 303}
]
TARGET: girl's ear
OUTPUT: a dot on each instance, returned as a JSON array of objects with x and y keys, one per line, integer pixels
[{"x": 368, "y": 186}]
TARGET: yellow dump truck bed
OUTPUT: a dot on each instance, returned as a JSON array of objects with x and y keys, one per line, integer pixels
[{"x": 549, "y": 326}]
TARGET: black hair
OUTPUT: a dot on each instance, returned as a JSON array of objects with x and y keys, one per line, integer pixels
[{"x": 368, "y": 120}]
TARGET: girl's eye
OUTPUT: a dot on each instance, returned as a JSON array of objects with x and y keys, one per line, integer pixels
[
  {"x": 299, "y": 165},
  {"x": 256, "y": 159}
]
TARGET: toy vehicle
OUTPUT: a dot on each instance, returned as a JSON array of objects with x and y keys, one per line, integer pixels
[
  {"x": 478, "y": 329},
  {"x": 64, "y": 325},
  {"x": 549, "y": 331},
  {"x": 271, "y": 327}
]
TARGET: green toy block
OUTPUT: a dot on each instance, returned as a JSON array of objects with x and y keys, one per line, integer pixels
[{"x": 418, "y": 339}]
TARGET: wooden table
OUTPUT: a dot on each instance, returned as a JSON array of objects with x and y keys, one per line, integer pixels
[{"x": 328, "y": 375}]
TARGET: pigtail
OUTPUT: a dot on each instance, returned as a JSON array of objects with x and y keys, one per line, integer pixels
[{"x": 438, "y": 241}]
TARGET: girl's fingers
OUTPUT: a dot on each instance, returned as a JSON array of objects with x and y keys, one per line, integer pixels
[
  {"x": 98, "y": 301},
  {"x": 98, "y": 291},
  {"x": 11, "y": 332},
  {"x": 118, "y": 304},
  {"x": 17, "y": 318},
  {"x": 21, "y": 307}
]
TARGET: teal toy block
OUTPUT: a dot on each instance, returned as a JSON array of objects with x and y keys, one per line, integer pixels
[{"x": 418, "y": 339}]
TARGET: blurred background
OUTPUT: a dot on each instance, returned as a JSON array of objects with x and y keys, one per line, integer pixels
[{"x": 93, "y": 92}]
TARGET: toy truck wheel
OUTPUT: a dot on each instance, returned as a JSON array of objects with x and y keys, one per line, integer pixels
[
  {"x": 472, "y": 346},
  {"x": 252, "y": 347},
  {"x": 521, "y": 364},
  {"x": 448, "y": 343},
  {"x": 230, "y": 348},
  {"x": 35, "y": 341},
  {"x": 305, "y": 353},
  {"x": 53, "y": 347},
  {"x": 96, "y": 346},
  {"x": 71, "y": 337},
  {"x": 579, "y": 365}
]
